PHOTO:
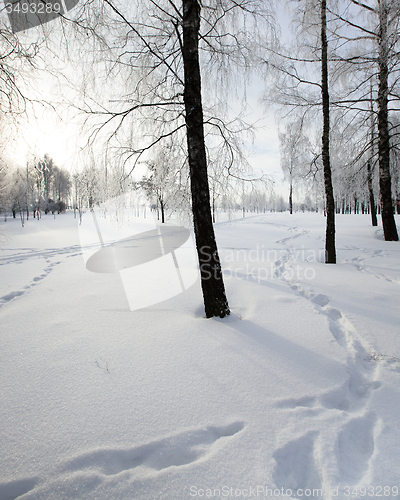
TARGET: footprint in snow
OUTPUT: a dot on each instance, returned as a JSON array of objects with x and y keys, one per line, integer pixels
[
  {"x": 90, "y": 468},
  {"x": 302, "y": 402},
  {"x": 35, "y": 281},
  {"x": 17, "y": 488},
  {"x": 321, "y": 300},
  {"x": 176, "y": 451},
  {"x": 355, "y": 448},
  {"x": 295, "y": 464},
  {"x": 350, "y": 396}
]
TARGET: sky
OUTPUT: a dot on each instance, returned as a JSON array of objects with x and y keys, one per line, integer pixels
[
  {"x": 51, "y": 134},
  {"x": 47, "y": 135},
  {"x": 46, "y": 131}
]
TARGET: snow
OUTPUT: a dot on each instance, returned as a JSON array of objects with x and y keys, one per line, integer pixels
[{"x": 295, "y": 395}]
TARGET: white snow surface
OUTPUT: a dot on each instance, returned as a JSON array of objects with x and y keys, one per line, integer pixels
[{"x": 295, "y": 395}]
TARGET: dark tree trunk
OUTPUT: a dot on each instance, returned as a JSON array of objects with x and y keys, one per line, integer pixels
[
  {"x": 385, "y": 183},
  {"x": 371, "y": 194},
  {"x": 213, "y": 209},
  {"x": 291, "y": 198},
  {"x": 370, "y": 169},
  {"x": 330, "y": 249},
  {"x": 215, "y": 301},
  {"x": 162, "y": 211}
]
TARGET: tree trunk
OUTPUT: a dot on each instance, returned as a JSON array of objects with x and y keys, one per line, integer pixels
[
  {"x": 162, "y": 211},
  {"x": 215, "y": 301},
  {"x": 371, "y": 194},
  {"x": 291, "y": 197},
  {"x": 330, "y": 250},
  {"x": 370, "y": 168},
  {"x": 385, "y": 183}
]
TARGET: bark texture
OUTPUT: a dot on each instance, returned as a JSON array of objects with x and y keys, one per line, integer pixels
[
  {"x": 330, "y": 248},
  {"x": 371, "y": 194},
  {"x": 385, "y": 183},
  {"x": 212, "y": 284}
]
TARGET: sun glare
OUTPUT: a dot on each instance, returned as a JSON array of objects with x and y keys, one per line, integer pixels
[{"x": 39, "y": 137}]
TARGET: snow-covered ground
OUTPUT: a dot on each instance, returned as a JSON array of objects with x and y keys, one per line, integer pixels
[{"x": 295, "y": 395}]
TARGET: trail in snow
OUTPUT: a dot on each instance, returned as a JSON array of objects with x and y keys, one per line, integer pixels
[
  {"x": 303, "y": 462},
  {"x": 318, "y": 406},
  {"x": 29, "y": 254},
  {"x": 20, "y": 255},
  {"x": 5, "y": 299},
  {"x": 359, "y": 263}
]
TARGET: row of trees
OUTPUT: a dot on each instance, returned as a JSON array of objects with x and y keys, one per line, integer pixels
[
  {"x": 40, "y": 187},
  {"x": 355, "y": 174},
  {"x": 354, "y": 47}
]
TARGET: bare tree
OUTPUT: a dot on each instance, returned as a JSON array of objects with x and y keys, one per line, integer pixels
[
  {"x": 160, "y": 183},
  {"x": 156, "y": 49},
  {"x": 372, "y": 52},
  {"x": 298, "y": 74},
  {"x": 295, "y": 154},
  {"x": 388, "y": 222},
  {"x": 370, "y": 168},
  {"x": 4, "y": 188},
  {"x": 330, "y": 248}
]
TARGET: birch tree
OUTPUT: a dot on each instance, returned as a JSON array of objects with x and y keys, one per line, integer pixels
[
  {"x": 155, "y": 47},
  {"x": 385, "y": 184},
  {"x": 371, "y": 53},
  {"x": 297, "y": 71},
  {"x": 295, "y": 155}
]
